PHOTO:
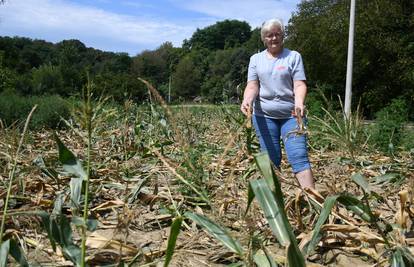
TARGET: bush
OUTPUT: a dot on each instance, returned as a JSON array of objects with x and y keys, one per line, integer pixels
[
  {"x": 387, "y": 131},
  {"x": 15, "y": 108}
]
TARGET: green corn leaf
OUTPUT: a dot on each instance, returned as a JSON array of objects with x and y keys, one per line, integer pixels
[
  {"x": 269, "y": 258},
  {"x": 51, "y": 173},
  {"x": 397, "y": 259},
  {"x": 250, "y": 197},
  {"x": 263, "y": 259},
  {"x": 72, "y": 165},
  {"x": 72, "y": 253},
  {"x": 216, "y": 231},
  {"x": 46, "y": 224},
  {"x": 175, "y": 230},
  {"x": 17, "y": 253},
  {"x": 65, "y": 231},
  {"x": 4, "y": 252},
  {"x": 359, "y": 208},
  {"x": 316, "y": 236},
  {"x": 362, "y": 182},
  {"x": 265, "y": 166},
  {"x": 75, "y": 194},
  {"x": 294, "y": 256},
  {"x": 402, "y": 257},
  {"x": 70, "y": 162},
  {"x": 386, "y": 178},
  {"x": 91, "y": 224},
  {"x": 274, "y": 213}
]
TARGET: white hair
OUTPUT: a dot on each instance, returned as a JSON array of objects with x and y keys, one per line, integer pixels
[{"x": 268, "y": 24}]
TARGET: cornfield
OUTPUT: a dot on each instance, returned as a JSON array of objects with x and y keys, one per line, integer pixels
[{"x": 158, "y": 185}]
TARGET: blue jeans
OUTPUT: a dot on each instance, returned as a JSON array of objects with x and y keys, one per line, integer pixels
[{"x": 269, "y": 131}]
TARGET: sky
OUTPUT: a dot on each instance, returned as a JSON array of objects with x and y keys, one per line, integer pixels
[{"x": 130, "y": 26}]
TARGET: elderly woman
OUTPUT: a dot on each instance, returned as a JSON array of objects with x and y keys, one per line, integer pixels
[{"x": 276, "y": 85}]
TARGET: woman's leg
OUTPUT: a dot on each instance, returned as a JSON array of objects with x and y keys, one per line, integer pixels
[
  {"x": 297, "y": 153},
  {"x": 268, "y": 133}
]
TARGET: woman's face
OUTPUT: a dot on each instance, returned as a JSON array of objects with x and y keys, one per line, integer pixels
[{"x": 274, "y": 38}]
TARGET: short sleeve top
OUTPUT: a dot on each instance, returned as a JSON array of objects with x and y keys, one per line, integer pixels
[{"x": 275, "y": 75}]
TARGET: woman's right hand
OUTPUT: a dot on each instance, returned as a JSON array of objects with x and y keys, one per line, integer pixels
[
  {"x": 250, "y": 93},
  {"x": 246, "y": 106}
]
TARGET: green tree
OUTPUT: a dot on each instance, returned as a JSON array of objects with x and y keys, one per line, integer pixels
[
  {"x": 383, "y": 56},
  {"x": 186, "y": 80},
  {"x": 47, "y": 79},
  {"x": 222, "y": 35}
]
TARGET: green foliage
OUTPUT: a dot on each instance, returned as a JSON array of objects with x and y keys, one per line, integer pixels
[
  {"x": 383, "y": 50},
  {"x": 222, "y": 35},
  {"x": 47, "y": 79},
  {"x": 335, "y": 130},
  {"x": 175, "y": 230},
  {"x": 388, "y": 130},
  {"x": 14, "y": 108},
  {"x": 186, "y": 79},
  {"x": 7, "y": 79},
  {"x": 217, "y": 231}
]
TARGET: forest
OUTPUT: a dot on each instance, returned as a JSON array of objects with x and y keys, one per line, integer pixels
[
  {"x": 212, "y": 64},
  {"x": 111, "y": 159}
]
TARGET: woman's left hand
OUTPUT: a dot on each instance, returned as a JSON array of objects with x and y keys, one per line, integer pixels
[{"x": 298, "y": 109}]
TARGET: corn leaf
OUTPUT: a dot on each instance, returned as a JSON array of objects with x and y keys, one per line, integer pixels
[
  {"x": 294, "y": 256},
  {"x": 316, "y": 236},
  {"x": 397, "y": 259},
  {"x": 17, "y": 253},
  {"x": 250, "y": 197},
  {"x": 265, "y": 166},
  {"x": 70, "y": 162},
  {"x": 175, "y": 230},
  {"x": 263, "y": 259},
  {"x": 216, "y": 231},
  {"x": 72, "y": 165},
  {"x": 274, "y": 214},
  {"x": 4, "y": 252},
  {"x": 362, "y": 182},
  {"x": 402, "y": 257},
  {"x": 359, "y": 208}
]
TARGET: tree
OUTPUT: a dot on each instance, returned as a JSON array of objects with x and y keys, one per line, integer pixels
[
  {"x": 186, "y": 80},
  {"x": 383, "y": 56},
  {"x": 48, "y": 79},
  {"x": 222, "y": 35}
]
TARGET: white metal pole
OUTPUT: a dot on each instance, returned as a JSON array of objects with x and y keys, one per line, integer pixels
[{"x": 348, "y": 87}]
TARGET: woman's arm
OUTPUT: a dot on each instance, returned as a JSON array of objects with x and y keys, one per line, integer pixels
[
  {"x": 250, "y": 93},
  {"x": 300, "y": 89}
]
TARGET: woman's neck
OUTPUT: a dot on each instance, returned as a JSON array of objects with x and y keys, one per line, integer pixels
[{"x": 274, "y": 52}]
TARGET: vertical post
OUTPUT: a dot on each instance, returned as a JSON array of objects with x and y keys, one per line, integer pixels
[{"x": 348, "y": 87}]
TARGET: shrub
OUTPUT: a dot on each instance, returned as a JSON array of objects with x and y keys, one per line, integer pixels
[
  {"x": 15, "y": 108},
  {"x": 387, "y": 131}
]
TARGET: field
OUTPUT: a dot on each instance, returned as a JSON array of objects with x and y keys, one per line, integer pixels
[{"x": 150, "y": 171}]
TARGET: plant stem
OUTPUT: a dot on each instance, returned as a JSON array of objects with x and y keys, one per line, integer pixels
[
  {"x": 12, "y": 172},
  {"x": 88, "y": 118}
]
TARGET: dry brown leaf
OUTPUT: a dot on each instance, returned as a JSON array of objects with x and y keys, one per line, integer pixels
[
  {"x": 340, "y": 228},
  {"x": 98, "y": 241},
  {"x": 109, "y": 205}
]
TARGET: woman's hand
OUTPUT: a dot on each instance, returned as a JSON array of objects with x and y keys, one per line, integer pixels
[
  {"x": 246, "y": 106},
  {"x": 250, "y": 93},
  {"x": 299, "y": 110},
  {"x": 300, "y": 89}
]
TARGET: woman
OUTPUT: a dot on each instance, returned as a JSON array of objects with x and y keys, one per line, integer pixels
[{"x": 276, "y": 85}]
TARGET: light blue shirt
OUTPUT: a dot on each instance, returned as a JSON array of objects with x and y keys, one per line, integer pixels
[{"x": 275, "y": 75}]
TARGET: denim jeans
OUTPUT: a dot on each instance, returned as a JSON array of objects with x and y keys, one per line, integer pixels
[{"x": 269, "y": 131}]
